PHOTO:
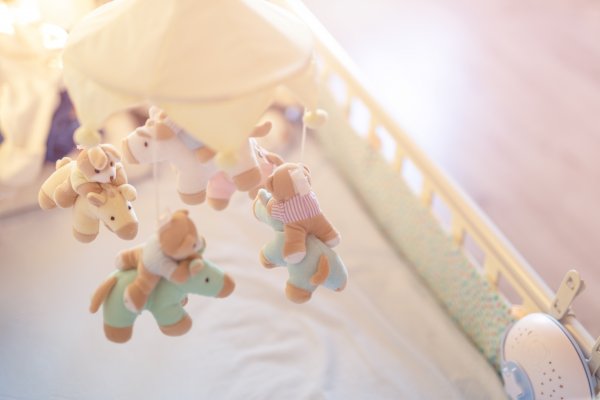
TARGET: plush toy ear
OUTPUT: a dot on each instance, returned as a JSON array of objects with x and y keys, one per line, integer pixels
[
  {"x": 97, "y": 157},
  {"x": 262, "y": 130},
  {"x": 196, "y": 266},
  {"x": 96, "y": 199},
  {"x": 273, "y": 158},
  {"x": 156, "y": 113},
  {"x": 111, "y": 151},
  {"x": 306, "y": 170},
  {"x": 163, "y": 132},
  {"x": 128, "y": 191}
]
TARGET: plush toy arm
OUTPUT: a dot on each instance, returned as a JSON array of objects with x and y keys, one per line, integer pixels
[
  {"x": 88, "y": 187},
  {"x": 120, "y": 176}
]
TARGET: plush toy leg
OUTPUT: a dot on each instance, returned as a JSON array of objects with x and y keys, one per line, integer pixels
[
  {"x": 64, "y": 195},
  {"x": 219, "y": 191},
  {"x": 178, "y": 328},
  {"x": 248, "y": 180},
  {"x": 84, "y": 237},
  {"x": 296, "y": 294},
  {"x": 118, "y": 335},
  {"x": 265, "y": 261},
  {"x": 325, "y": 232},
  {"x": 45, "y": 202},
  {"x": 193, "y": 198},
  {"x": 294, "y": 248},
  {"x": 137, "y": 292}
]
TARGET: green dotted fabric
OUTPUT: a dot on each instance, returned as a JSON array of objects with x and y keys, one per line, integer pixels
[{"x": 476, "y": 306}]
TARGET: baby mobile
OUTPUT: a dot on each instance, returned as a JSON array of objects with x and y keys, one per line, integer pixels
[{"x": 207, "y": 96}]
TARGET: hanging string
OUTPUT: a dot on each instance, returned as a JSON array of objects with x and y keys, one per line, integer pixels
[
  {"x": 303, "y": 139},
  {"x": 155, "y": 180}
]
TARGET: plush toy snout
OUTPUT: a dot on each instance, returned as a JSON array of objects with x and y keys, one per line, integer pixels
[
  {"x": 129, "y": 157},
  {"x": 228, "y": 286},
  {"x": 128, "y": 231}
]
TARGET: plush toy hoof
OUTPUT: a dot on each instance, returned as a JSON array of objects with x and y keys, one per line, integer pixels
[
  {"x": 218, "y": 204},
  {"x": 118, "y": 335},
  {"x": 45, "y": 202},
  {"x": 295, "y": 258},
  {"x": 84, "y": 237},
  {"x": 333, "y": 242},
  {"x": 178, "y": 328},
  {"x": 247, "y": 180},
  {"x": 265, "y": 261},
  {"x": 296, "y": 294},
  {"x": 193, "y": 198}
]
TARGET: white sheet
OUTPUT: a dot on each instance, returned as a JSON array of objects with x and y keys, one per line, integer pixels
[{"x": 384, "y": 337}]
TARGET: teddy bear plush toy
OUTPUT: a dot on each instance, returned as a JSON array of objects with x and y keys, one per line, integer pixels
[
  {"x": 320, "y": 267},
  {"x": 295, "y": 204},
  {"x": 93, "y": 166},
  {"x": 165, "y": 255}
]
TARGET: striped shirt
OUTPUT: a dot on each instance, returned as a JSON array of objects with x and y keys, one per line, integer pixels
[{"x": 297, "y": 208}]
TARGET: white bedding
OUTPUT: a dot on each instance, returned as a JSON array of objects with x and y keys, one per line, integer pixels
[{"x": 384, "y": 337}]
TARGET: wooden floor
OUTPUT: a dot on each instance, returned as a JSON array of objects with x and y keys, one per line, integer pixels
[{"x": 505, "y": 97}]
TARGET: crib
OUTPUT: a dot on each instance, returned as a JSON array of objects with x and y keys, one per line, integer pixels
[{"x": 420, "y": 230}]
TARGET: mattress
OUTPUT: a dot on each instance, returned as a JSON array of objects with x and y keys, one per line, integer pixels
[{"x": 384, "y": 337}]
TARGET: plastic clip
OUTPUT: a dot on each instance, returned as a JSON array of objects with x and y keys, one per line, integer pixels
[
  {"x": 594, "y": 361},
  {"x": 569, "y": 288}
]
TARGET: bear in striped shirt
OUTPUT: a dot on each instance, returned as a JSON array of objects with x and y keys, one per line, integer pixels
[{"x": 296, "y": 206}]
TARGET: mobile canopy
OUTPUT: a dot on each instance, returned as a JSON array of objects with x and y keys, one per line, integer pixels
[{"x": 213, "y": 66}]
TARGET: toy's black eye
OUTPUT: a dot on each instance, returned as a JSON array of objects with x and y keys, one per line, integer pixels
[
  {"x": 97, "y": 171},
  {"x": 112, "y": 164},
  {"x": 112, "y": 218},
  {"x": 145, "y": 144},
  {"x": 207, "y": 280},
  {"x": 129, "y": 207}
]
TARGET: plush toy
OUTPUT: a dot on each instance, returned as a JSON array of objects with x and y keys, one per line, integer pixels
[
  {"x": 165, "y": 255},
  {"x": 165, "y": 302},
  {"x": 112, "y": 206},
  {"x": 320, "y": 266},
  {"x": 267, "y": 162},
  {"x": 295, "y": 204},
  {"x": 93, "y": 166},
  {"x": 198, "y": 176}
]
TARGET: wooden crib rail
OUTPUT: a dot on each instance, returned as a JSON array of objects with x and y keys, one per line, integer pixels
[{"x": 498, "y": 259}]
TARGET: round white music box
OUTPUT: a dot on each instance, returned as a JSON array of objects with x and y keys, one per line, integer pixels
[{"x": 541, "y": 360}]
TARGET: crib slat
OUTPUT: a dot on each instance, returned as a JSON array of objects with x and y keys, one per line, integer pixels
[{"x": 427, "y": 194}]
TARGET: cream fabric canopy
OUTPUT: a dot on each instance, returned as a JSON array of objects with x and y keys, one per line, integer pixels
[{"x": 213, "y": 66}]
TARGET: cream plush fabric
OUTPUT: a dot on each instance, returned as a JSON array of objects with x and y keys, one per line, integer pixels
[{"x": 213, "y": 66}]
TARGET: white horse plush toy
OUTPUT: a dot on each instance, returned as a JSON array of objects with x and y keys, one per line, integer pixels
[{"x": 198, "y": 176}]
